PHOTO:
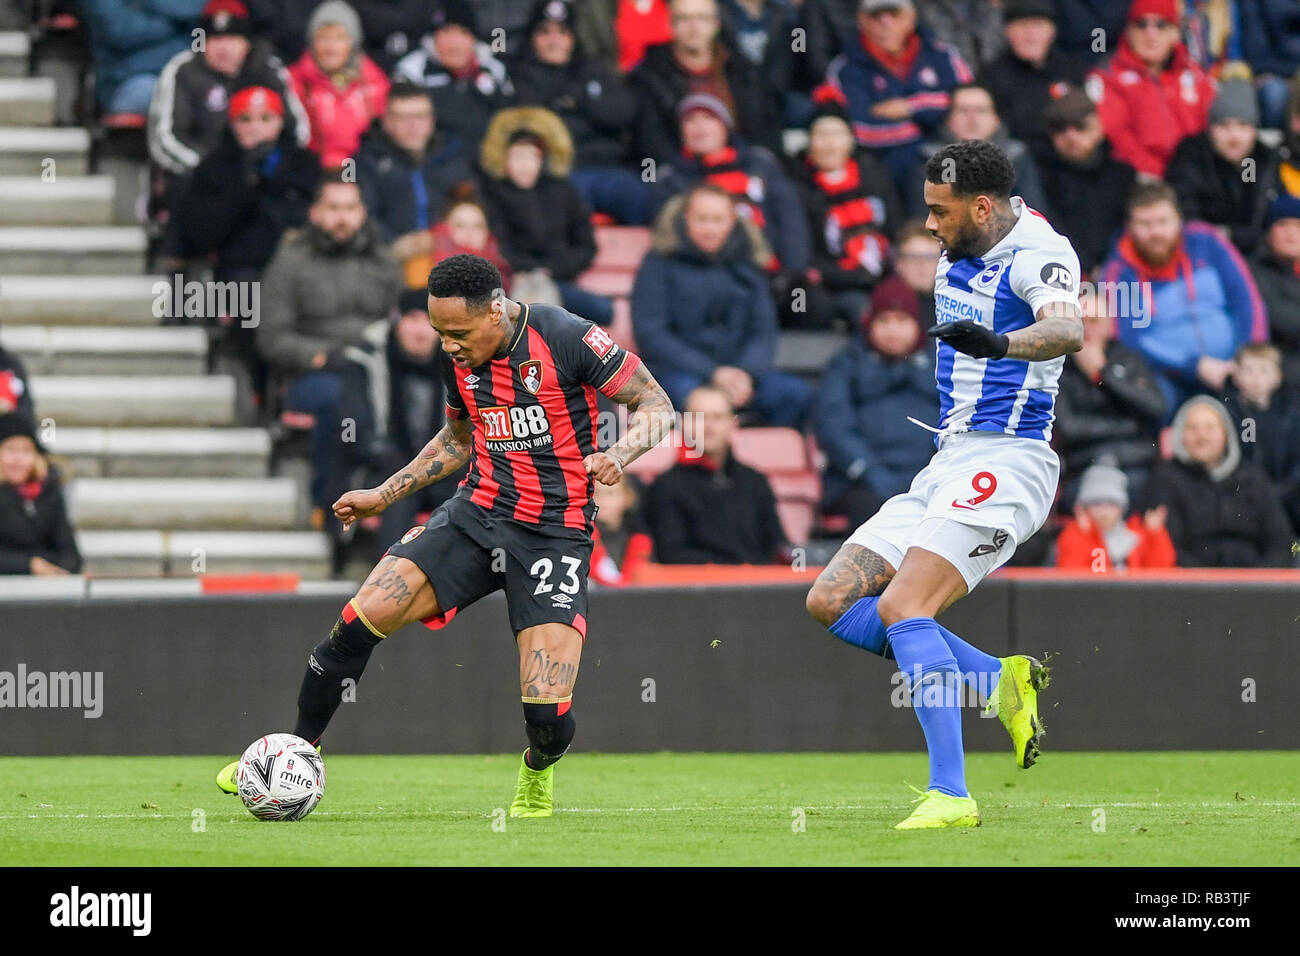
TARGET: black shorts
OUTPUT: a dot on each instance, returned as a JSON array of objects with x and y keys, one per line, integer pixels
[{"x": 466, "y": 552}]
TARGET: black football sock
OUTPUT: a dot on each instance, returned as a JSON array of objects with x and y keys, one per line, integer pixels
[
  {"x": 340, "y": 657},
  {"x": 550, "y": 726}
]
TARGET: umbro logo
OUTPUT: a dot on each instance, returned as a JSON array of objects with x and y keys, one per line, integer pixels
[
  {"x": 999, "y": 539},
  {"x": 561, "y": 600},
  {"x": 471, "y": 381}
]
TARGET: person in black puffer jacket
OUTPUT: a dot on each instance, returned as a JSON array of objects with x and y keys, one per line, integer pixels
[
  {"x": 35, "y": 536},
  {"x": 1223, "y": 512}
]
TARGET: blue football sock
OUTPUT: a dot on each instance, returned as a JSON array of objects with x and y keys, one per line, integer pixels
[
  {"x": 978, "y": 670},
  {"x": 861, "y": 626},
  {"x": 931, "y": 671}
]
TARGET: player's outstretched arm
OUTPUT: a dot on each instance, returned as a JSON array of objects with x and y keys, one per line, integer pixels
[
  {"x": 650, "y": 422},
  {"x": 442, "y": 456},
  {"x": 1057, "y": 330}
]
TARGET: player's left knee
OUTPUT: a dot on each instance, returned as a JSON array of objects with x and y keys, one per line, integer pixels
[{"x": 550, "y": 727}]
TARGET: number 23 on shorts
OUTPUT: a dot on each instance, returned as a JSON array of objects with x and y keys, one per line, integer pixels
[{"x": 984, "y": 483}]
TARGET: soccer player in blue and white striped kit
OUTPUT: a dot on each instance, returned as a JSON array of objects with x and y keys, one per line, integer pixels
[{"x": 1007, "y": 312}]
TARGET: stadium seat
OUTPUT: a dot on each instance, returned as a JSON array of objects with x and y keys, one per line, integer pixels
[
  {"x": 771, "y": 449},
  {"x": 797, "y": 520},
  {"x": 608, "y": 282},
  {"x": 123, "y": 121},
  {"x": 808, "y": 353},
  {"x": 654, "y": 462},
  {"x": 621, "y": 328},
  {"x": 621, "y": 247},
  {"x": 1166, "y": 443}
]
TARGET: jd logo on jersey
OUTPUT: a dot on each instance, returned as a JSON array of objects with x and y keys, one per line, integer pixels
[
  {"x": 1057, "y": 276},
  {"x": 530, "y": 373}
]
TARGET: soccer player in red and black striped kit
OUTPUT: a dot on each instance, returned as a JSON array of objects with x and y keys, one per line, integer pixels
[{"x": 521, "y": 408}]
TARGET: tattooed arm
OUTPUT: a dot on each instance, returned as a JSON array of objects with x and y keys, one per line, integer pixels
[
  {"x": 650, "y": 422},
  {"x": 445, "y": 453},
  {"x": 1057, "y": 330}
]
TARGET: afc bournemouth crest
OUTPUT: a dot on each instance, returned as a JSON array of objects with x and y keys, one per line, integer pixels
[
  {"x": 531, "y": 374},
  {"x": 412, "y": 534}
]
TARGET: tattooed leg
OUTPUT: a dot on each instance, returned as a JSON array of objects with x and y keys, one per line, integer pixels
[
  {"x": 548, "y": 668},
  {"x": 395, "y": 594},
  {"x": 854, "y": 572}
]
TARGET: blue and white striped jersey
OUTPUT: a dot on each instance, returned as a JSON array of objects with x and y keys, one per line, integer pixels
[{"x": 1032, "y": 266}]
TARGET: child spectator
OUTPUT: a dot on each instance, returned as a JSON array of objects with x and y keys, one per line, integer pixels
[
  {"x": 35, "y": 536},
  {"x": 620, "y": 547},
  {"x": 1099, "y": 538},
  {"x": 463, "y": 230},
  {"x": 342, "y": 88},
  {"x": 1268, "y": 420}
]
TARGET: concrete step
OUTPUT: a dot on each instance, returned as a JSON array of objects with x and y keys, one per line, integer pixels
[
  {"x": 24, "y": 151},
  {"x": 162, "y": 452},
  {"x": 187, "y": 400},
  {"x": 152, "y": 552},
  {"x": 27, "y": 101},
  {"x": 82, "y": 250},
  {"x": 94, "y": 350},
  {"x": 233, "y": 504},
  {"x": 65, "y": 200},
  {"x": 15, "y": 48},
  {"x": 83, "y": 299}
]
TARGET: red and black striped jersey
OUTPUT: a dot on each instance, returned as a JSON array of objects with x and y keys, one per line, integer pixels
[{"x": 534, "y": 417}]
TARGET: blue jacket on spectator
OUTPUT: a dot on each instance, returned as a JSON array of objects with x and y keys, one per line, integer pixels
[
  {"x": 1269, "y": 35},
  {"x": 130, "y": 37},
  {"x": 1218, "y": 311},
  {"x": 405, "y": 193}
]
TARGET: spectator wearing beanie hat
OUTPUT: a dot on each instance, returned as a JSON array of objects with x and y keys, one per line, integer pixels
[
  {"x": 1099, "y": 539},
  {"x": 1276, "y": 268},
  {"x": 852, "y": 209},
  {"x": 867, "y": 394},
  {"x": 188, "y": 113},
  {"x": 1151, "y": 95},
  {"x": 467, "y": 82},
  {"x": 1207, "y": 169},
  {"x": 35, "y": 535},
  {"x": 342, "y": 88}
]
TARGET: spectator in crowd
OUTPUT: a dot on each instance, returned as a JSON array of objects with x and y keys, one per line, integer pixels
[
  {"x": 752, "y": 175},
  {"x": 617, "y": 33},
  {"x": 1151, "y": 95},
  {"x": 342, "y": 88},
  {"x": 699, "y": 61},
  {"x": 283, "y": 24},
  {"x": 852, "y": 211},
  {"x": 35, "y": 536},
  {"x": 324, "y": 286},
  {"x": 392, "y": 29},
  {"x": 1203, "y": 303},
  {"x": 867, "y": 394},
  {"x": 468, "y": 83},
  {"x": 1108, "y": 405},
  {"x": 915, "y": 263},
  {"x": 1099, "y": 539},
  {"x": 619, "y": 547},
  {"x": 1089, "y": 186},
  {"x": 896, "y": 79},
  {"x": 535, "y": 210},
  {"x": 709, "y": 508},
  {"x": 130, "y": 42},
  {"x": 392, "y": 390},
  {"x": 463, "y": 231},
  {"x": 829, "y": 28},
  {"x": 188, "y": 113},
  {"x": 762, "y": 31},
  {"x": 971, "y": 27},
  {"x": 1268, "y": 420},
  {"x": 1269, "y": 37},
  {"x": 596, "y": 106},
  {"x": 1210, "y": 173},
  {"x": 257, "y": 183},
  {"x": 703, "y": 312},
  {"x": 1030, "y": 72},
  {"x": 972, "y": 115},
  {"x": 1222, "y": 511},
  {"x": 407, "y": 169},
  {"x": 1089, "y": 29},
  {"x": 15, "y": 392},
  {"x": 1276, "y": 269},
  {"x": 1207, "y": 29},
  {"x": 511, "y": 17}
]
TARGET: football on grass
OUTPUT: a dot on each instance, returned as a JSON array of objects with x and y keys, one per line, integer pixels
[{"x": 281, "y": 777}]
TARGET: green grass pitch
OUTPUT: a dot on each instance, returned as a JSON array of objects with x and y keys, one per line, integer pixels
[{"x": 1211, "y": 808}]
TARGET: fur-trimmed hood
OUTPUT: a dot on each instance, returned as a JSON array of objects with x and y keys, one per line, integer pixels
[
  {"x": 745, "y": 244},
  {"x": 542, "y": 122}
]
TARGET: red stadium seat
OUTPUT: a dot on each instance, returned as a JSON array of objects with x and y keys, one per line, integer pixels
[
  {"x": 797, "y": 518},
  {"x": 123, "y": 121},
  {"x": 621, "y": 328},
  {"x": 771, "y": 449},
  {"x": 608, "y": 282},
  {"x": 654, "y": 462},
  {"x": 1166, "y": 443},
  {"x": 621, "y": 247}
]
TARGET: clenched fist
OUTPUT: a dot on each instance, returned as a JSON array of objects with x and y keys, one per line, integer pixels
[
  {"x": 358, "y": 504},
  {"x": 603, "y": 468}
]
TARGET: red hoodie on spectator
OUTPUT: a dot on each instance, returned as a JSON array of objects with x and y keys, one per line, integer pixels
[
  {"x": 1145, "y": 116},
  {"x": 1077, "y": 548},
  {"x": 338, "y": 116}
]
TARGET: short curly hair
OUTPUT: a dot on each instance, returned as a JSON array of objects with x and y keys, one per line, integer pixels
[
  {"x": 470, "y": 277},
  {"x": 973, "y": 167}
]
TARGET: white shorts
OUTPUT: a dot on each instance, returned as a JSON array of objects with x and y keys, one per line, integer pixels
[{"x": 980, "y": 496}]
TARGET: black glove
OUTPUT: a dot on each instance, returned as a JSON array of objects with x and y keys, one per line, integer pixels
[{"x": 971, "y": 338}]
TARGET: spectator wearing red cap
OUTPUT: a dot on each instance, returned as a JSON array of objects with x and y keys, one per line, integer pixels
[
  {"x": 187, "y": 116},
  {"x": 130, "y": 42},
  {"x": 467, "y": 81},
  {"x": 342, "y": 88},
  {"x": 852, "y": 208},
  {"x": 867, "y": 394},
  {"x": 1152, "y": 94}
]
